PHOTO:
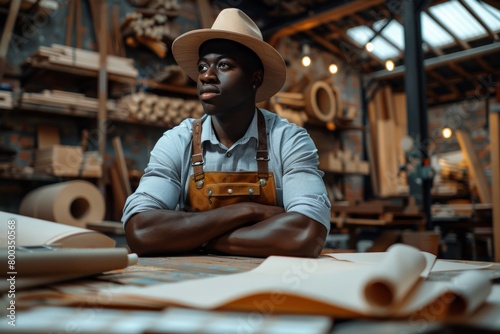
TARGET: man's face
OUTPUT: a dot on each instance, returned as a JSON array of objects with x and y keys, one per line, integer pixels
[{"x": 226, "y": 76}]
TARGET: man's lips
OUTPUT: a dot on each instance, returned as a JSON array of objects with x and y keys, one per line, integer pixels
[{"x": 207, "y": 93}]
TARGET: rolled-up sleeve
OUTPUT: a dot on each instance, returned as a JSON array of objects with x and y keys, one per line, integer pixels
[
  {"x": 304, "y": 190},
  {"x": 160, "y": 186}
]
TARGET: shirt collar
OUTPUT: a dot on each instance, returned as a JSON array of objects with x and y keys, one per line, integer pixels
[{"x": 208, "y": 133}]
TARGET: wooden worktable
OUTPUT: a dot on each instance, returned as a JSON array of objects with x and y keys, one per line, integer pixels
[{"x": 50, "y": 311}]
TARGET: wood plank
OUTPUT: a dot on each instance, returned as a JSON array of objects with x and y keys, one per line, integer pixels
[
  {"x": 205, "y": 13},
  {"x": 122, "y": 165},
  {"x": 393, "y": 140},
  {"x": 371, "y": 148},
  {"x": 400, "y": 119},
  {"x": 7, "y": 33},
  {"x": 386, "y": 161},
  {"x": 494, "y": 123},
  {"x": 79, "y": 27},
  {"x": 475, "y": 168},
  {"x": 70, "y": 21},
  {"x": 118, "y": 191},
  {"x": 102, "y": 92}
]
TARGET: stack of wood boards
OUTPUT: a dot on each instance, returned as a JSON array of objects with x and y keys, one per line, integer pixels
[
  {"x": 336, "y": 159},
  {"x": 148, "y": 31},
  {"x": 387, "y": 129},
  {"x": 375, "y": 213},
  {"x": 459, "y": 209},
  {"x": 6, "y": 100},
  {"x": 26, "y": 5},
  {"x": 91, "y": 165},
  {"x": 290, "y": 106},
  {"x": 151, "y": 108},
  {"x": 68, "y": 57},
  {"x": 342, "y": 161},
  {"x": 65, "y": 100},
  {"x": 451, "y": 177},
  {"x": 59, "y": 160}
]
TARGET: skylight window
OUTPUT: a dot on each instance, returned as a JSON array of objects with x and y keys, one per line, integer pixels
[
  {"x": 489, "y": 14},
  {"x": 383, "y": 50},
  {"x": 433, "y": 33},
  {"x": 452, "y": 14},
  {"x": 395, "y": 33},
  {"x": 456, "y": 18},
  {"x": 360, "y": 35}
]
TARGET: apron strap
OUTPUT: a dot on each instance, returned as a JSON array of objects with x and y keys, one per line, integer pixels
[
  {"x": 197, "y": 157},
  {"x": 262, "y": 155}
]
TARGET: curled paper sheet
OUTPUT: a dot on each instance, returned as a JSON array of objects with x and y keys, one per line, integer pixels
[
  {"x": 392, "y": 279},
  {"x": 469, "y": 290}
]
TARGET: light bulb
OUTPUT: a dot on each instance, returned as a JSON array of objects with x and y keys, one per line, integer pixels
[
  {"x": 389, "y": 65},
  {"x": 333, "y": 68},
  {"x": 306, "y": 61},
  {"x": 369, "y": 46},
  {"x": 447, "y": 133}
]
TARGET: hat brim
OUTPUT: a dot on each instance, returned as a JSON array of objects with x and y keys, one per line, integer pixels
[{"x": 185, "y": 50}]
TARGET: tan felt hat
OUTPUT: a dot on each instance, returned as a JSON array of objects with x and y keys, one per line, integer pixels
[{"x": 234, "y": 25}]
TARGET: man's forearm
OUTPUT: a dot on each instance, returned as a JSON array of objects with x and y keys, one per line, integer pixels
[
  {"x": 168, "y": 231},
  {"x": 287, "y": 234}
]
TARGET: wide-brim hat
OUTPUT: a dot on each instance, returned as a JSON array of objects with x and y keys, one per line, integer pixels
[{"x": 233, "y": 24}]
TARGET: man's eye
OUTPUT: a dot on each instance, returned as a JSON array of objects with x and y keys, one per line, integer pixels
[
  {"x": 202, "y": 67},
  {"x": 224, "y": 65}
]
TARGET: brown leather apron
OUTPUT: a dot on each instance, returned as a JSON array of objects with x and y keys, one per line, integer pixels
[{"x": 210, "y": 190}]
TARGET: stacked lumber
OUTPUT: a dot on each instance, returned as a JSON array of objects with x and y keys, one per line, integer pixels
[
  {"x": 158, "y": 5},
  {"x": 459, "y": 209},
  {"x": 149, "y": 25},
  {"x": 63, "y": 99},
  {"x": 330, "y": 162},
  {"x": 352, "y": 163},
  {"x": 451, "y": 174},
  {"x": 91, "y": 165},
  {"x": 342, "y": 161},
  {"x": 45, "y": 5},
  {"x": 6, "y": 100},
  {"x": 151, "y": 108},
  {"x": 387, "y": 129},
  {"x": 290, "y": 106},
  {"x": 375, "y": 213},
  {"x": 58, "y": 160},
  {"x": 68, "y": 57},
  {"x": 172, "y": 75}
]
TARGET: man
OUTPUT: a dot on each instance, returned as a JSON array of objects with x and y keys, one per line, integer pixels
[{"x": 239, "y": 181}]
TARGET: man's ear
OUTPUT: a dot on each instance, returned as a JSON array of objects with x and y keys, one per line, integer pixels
[{"x": 258, "y": 77}]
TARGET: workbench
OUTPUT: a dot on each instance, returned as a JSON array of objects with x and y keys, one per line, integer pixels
[{"x": 47, "y": 314}]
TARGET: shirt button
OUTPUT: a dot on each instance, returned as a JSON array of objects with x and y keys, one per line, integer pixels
[{"x": 228, "y": 154}]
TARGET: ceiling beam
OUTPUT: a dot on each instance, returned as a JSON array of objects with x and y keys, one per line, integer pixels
[
  {"x": 492, "y": 3},
  {"x": 438, "y": 61},
  {"x": 326, "y": 44},
  {"x": 318, "y": 19}
]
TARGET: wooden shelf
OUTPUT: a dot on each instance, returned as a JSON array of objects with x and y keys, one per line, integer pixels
[
  {"x": 36, "y": 65},
  {"x": 39, "y": 177},
  {"x": 339, "y": 125},
  {"x": 168, "y": 88}
]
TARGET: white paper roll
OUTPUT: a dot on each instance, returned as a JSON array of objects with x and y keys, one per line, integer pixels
[{"x": 73, "y": 202}]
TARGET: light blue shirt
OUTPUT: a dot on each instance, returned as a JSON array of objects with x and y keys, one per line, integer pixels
[{"x": 293, "y": 160}]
